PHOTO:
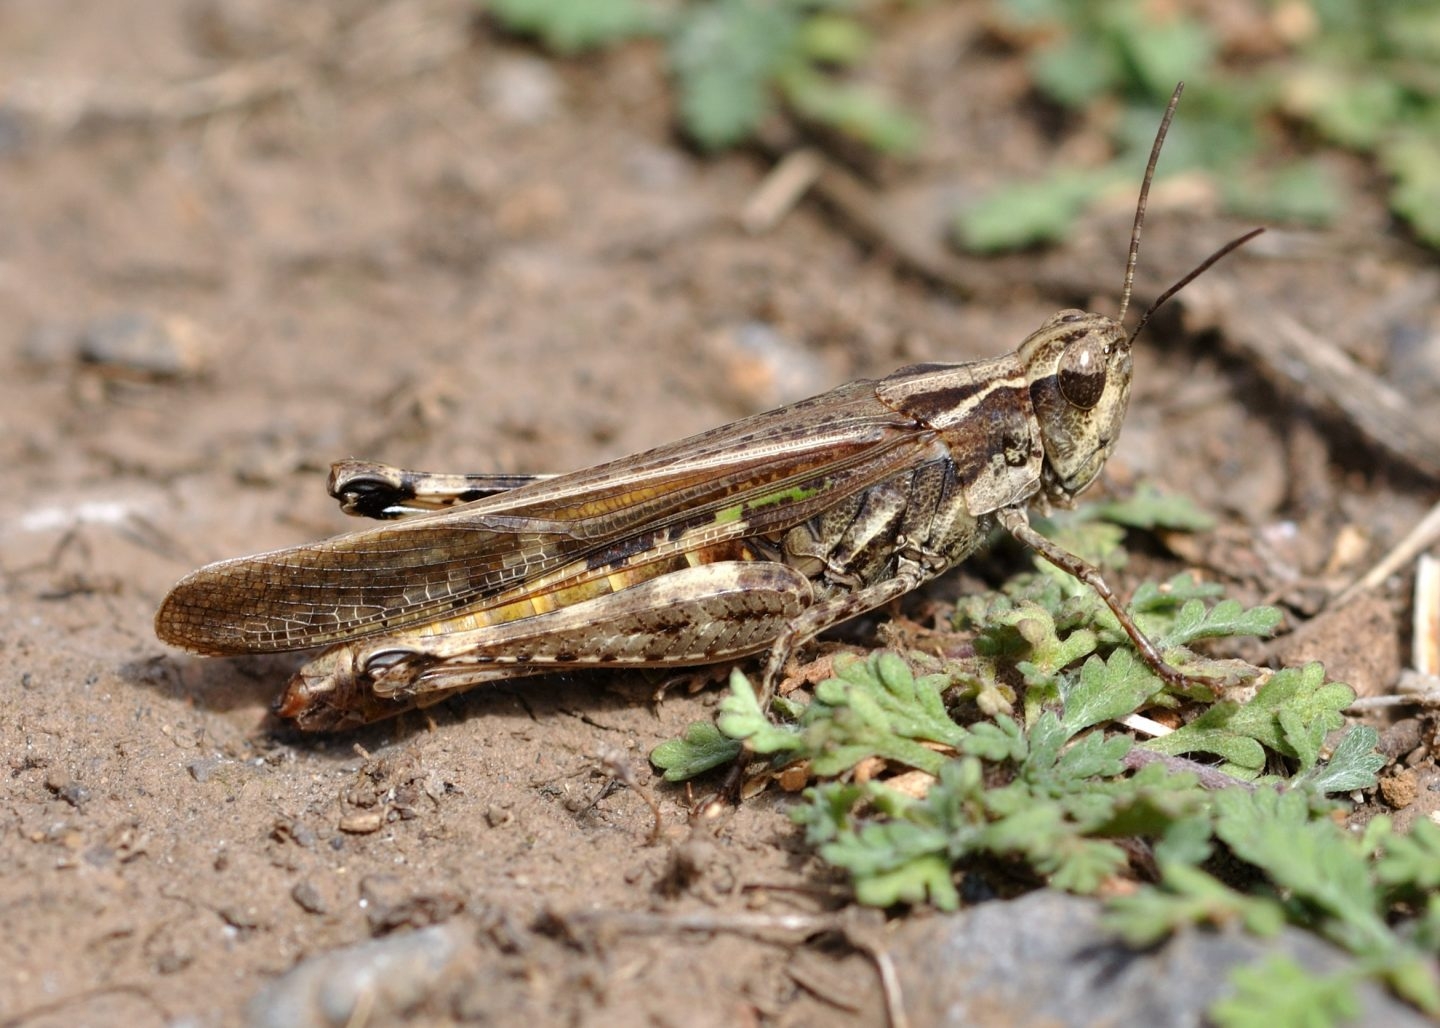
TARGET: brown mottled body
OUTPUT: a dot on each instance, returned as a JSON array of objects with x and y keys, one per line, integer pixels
[
  {"x": 879, "y": 486},
  {"x": 748, "y": 538}
]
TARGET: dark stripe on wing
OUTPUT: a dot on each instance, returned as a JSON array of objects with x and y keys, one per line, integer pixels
[{"x": 412, "y": 571}]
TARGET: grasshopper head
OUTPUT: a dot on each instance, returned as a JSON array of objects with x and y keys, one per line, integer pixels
[
  {"x": 1078, "y": 368},
  {"x": 1078, "y": 365}
]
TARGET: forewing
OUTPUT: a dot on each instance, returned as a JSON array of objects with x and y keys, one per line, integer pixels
[{"x": 744, "y": 478}]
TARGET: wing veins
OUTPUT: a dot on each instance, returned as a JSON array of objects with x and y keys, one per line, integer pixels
[{"x": 339, "y": 589}]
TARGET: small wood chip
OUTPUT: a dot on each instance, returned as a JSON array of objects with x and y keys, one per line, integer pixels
[
  {"x": 781, "y": 190},
  {"x": 1425, "y": 643},
  {"x": 363, "y": 823}
]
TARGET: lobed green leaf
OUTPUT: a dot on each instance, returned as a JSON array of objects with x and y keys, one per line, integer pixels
[
  {"x": 571, "y": 26},
  {"x": 702, "y": 748},
  {"x": 724, "y": 56}
]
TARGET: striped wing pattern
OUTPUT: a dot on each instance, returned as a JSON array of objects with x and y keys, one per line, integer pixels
[{"x": 753, "y": 476}]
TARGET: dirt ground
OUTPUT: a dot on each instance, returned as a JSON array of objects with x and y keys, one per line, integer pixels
[{"x": 241, "y": 240}]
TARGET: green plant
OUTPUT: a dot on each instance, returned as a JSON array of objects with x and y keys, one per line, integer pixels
[
  {"x": 1026, "y": 772},
  {"x": 573, "y": 26},
  {"x": 1352, "y": 74},
  {"x": 1372, "y": 894},
  {"x": 736, "y": 61},
  {"x": 1359, "y": 75}
]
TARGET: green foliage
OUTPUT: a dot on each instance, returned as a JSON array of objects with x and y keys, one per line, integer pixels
[
  {"x": 854, "y": 111},
  {"x": 1318, "y": 876},
  {"x": 1030, "y": 213},
  {"x": 702, "y": 748},
  {"x": 1192, "y": 621},
  {"x": 1408, "y": 863},
  {"x": 875, "y": 707},
  {"x": 1108, "y": 689},
  {"x": 1414, "y": 164},
  {"x": 1056, "y": 814},
  {"x": 725, "y": 58},
  {"x": 1299, "y": 193},
  {"x": 1150, "y": 508},
  {"x": 1362, "y": 78},
  {"x": 1352, "y": 766},
  {"x": 1056, "y": 795},
  {"x": 1189, "y": 896},
  {"x": 736, "y": 62},
  {"x": 1049, "y": 616},
  {"x": 1289, "y": 715},
  {"x": 570, "y": 26},
  {"x": 1279, "y": 991}
]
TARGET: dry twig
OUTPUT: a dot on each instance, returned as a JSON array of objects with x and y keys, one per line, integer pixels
[
  {"x": 1416, "y": 541},
  {"x": 1294, "y": 355}
]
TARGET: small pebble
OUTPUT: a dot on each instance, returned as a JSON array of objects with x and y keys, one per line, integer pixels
[
  {"x": 69, "y": 790},
  {"x": 202, "y": 769},
  {"x": 523, "y": 91},
  {"x": 145, "y": 345},
  {"x": 363, "y": 823},
  {"x": 384, "y": 978},
  {"x": 308, "y": 898}
]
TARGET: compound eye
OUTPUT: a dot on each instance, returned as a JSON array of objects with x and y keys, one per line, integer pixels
[{"x": 1081, "y": 375}]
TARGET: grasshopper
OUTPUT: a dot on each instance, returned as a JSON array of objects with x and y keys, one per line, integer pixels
[{"x": 749, "y": 538}]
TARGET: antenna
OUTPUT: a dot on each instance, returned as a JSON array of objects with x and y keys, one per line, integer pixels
[
  {"x": 1145, "y": 198},
  {"x": 1200, "y": 269}
]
